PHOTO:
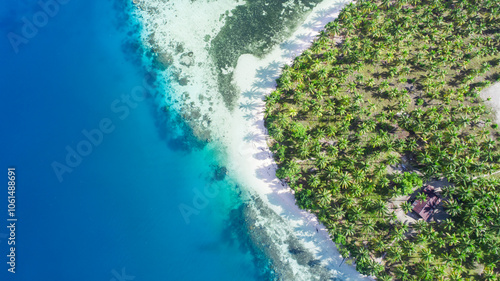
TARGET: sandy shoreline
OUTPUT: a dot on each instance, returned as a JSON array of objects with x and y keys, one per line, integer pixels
[
  {"x": 240, "y": 134},
  {"x": 250, "y": 156}
]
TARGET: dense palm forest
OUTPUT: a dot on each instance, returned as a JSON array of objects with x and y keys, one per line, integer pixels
[{"x": 392, "y": 84}]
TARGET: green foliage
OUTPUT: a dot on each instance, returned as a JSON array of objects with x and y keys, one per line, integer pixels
[
  {"x": 392, "y": 83},
  {"x": 407, "y": 183}
]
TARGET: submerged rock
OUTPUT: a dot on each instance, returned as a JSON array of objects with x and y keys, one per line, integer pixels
[
  {"x": 289, "y": 258},
  {"x": 187, "y": 59},
  {"x": 163, "y": 60},
  {"x": 183, "y": 81},
  {"x": 220, "y": 173}
]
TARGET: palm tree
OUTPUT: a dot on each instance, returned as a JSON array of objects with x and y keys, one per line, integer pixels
[
  {"x": 350, "y": 229},
  {"x": 384, "y": 277},
  {"x": 314, "y": 181},
  {"x": 399, "y": 235},
  {"x": 392, "y": 159},
  {"x": 402, "y": 272},
  {"x": 343, "y": 143},
  {"x": 338, "y": 213},
  {"x": 426, "y": 255},
  {"x": 406, "y": 207},
  {"x": 325, "y": 197},
  {"x": 333, "y": 27},
  {"x": 452, "y": 239},
  {"x": 380, "y": 207},
  {"x": 453, "y": 208},
  {"x": 448, "y": 225},
  {"x": 425, "y": 272},
  {"x": 422, "y": 197},
  {"x": 369, "y": 226},
  {"x": 345, "y": 179}
]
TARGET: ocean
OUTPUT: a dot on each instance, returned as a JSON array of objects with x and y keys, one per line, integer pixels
[{"x": 110, "y": 184}]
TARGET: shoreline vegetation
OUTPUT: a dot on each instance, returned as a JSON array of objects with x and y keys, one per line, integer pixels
[{"x": 385, "y": 101}]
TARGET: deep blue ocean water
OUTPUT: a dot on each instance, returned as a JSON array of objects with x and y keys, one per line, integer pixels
[{"x": 116, "y": 215}]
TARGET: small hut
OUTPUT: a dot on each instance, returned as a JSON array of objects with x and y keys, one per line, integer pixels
[{"x": 426, "y": 208}]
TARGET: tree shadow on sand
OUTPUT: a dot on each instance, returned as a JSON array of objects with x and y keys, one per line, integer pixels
[
  {"x": 252, "y": 94},
  {"x": 266, "y": 76},
  {"x": 265, "y": 79},
  {"x": 254, "y": 137},
  {"x": 262, "y": 155},
  {"x": 248, "y": 106},
  {"x": 290, "y": 47},
  {"x": 249, "y": 116}
]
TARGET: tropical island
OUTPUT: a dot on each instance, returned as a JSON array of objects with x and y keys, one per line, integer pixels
[{"x": 380, "y": 130}]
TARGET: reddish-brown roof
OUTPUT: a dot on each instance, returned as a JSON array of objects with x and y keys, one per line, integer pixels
[{"x": 426, "y": 208}]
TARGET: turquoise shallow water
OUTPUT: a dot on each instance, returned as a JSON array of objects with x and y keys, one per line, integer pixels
[{"x": 116, "y": 215}]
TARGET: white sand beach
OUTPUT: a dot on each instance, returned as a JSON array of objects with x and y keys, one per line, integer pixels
[
  {"x": 250, "y": 156},
  {"x": 240, "y": 134}
]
